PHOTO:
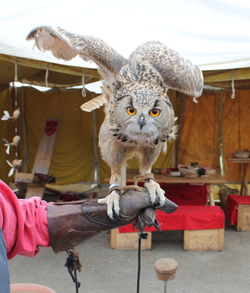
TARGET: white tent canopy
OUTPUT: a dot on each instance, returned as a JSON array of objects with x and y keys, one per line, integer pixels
[
  {"x": 211, "y": 33},
  {"x": 40, "y": 68}
]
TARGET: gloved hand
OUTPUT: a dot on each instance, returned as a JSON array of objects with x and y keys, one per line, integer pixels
[{"x": 70, "y": 223}]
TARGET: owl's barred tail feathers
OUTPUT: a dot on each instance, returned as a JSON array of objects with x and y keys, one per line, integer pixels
[{"x": 94, "y": 103}]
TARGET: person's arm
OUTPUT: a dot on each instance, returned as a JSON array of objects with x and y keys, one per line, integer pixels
[
  {"x": 30, "y": 223},
  {"x": 23, "y": 222}
]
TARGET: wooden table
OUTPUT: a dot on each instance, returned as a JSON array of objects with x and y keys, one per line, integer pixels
[
  {"x": 244, "y": 165},
  {"x": 208, "y": 181}
]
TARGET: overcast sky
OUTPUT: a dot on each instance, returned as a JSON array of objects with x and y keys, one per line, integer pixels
[{"x": 203, "y": 31}]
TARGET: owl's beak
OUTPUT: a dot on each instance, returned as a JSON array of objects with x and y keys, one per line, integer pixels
[{"x": 141, "y": 121}]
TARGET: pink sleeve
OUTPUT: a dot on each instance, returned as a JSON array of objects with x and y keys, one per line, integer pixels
[{"x": 23, "y": 222}]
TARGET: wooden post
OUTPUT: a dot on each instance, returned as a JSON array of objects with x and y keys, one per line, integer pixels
[
  {"x": 244, "y": 165},
  {"x": 243, "y": 188},
  {"x": 210, "y": 195}
]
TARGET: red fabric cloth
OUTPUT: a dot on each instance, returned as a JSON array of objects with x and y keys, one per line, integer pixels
[
  {"x": 184, "y": 194},
  {"x": 232, "y": 203},
  {"x": 23, "y": 222},
  {"x": 186, "y": 218}
]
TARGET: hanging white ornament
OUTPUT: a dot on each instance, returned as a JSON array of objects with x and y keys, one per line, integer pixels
[
  {"x": 14, "y": 166},
  {"x": 8, "y": 144},
  {"x": 7, "y": 116}
]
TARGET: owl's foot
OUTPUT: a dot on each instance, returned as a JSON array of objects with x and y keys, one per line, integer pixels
[
  {"x": 155, "y": 191},
  {"x": 112, "y": 202},
  {"x": 153, "y": 188}
]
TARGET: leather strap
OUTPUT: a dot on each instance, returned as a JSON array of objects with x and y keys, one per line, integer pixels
[{"x": 145, "y": 177}]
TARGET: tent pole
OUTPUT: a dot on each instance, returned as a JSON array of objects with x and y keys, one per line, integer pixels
[
  {"x": 220, "y": 136},
  {"x": 96, "y": 168},
  {"x": 24, "y": 132}
]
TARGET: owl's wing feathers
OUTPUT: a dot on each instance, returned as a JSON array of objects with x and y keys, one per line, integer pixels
[
  {"x": 94, "y": 103},
  {"x": 47, "y": 39},
  {"x": 177, "y": 72},
  {"x": 66, "y": 45}
]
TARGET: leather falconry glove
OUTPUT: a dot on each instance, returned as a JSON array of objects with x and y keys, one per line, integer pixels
[{"x": 71, "y": 223}]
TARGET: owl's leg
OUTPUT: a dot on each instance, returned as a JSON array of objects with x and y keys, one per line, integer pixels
[
  {"x": 154, "y": 189},
  {"x": 112, "y": 200}
]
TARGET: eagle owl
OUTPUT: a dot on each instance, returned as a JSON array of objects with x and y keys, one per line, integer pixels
[{"x": 139, "y": 117}]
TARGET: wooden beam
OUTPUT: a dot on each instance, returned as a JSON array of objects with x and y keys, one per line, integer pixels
[
  {"x": 226, "y": 75},
  {"x": 66, "y": 69}
]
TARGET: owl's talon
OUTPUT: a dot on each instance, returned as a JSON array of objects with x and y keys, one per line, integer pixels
[
  {"x": 112, "y": 202},
  {"x": 155, "y": 191}
]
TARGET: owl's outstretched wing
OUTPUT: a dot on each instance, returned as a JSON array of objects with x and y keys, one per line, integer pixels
[
  {"x": 177, "y": 72},
  {"x": 66, "y": 46}
]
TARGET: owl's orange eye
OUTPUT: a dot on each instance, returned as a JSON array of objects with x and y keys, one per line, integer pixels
[
  {"x": 155, "y": 112},
  {"x": 131, "y": 111}
]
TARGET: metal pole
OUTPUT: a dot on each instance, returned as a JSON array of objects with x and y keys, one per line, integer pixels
[{"x": 165, "y": 286}]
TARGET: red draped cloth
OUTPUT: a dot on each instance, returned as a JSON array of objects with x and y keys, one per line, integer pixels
[
  {"x": 232, "y": 204},
  {"x": 184, "y": 194},
  {"x": 186, "y": 218}
]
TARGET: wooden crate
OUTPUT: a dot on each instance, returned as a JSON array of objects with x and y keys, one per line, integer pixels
[
  {"x": 199, "y": 240},
  {"x": 129, "y": 240},
  {"x": 243, "y": 222}
]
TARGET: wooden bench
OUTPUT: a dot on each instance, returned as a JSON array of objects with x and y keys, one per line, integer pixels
[
  {"x": 238, "y": 211},
  {"x": 203, "y": 228}
]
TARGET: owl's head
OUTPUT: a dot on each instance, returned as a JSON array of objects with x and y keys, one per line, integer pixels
[{"x": 143, "y": 113}]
